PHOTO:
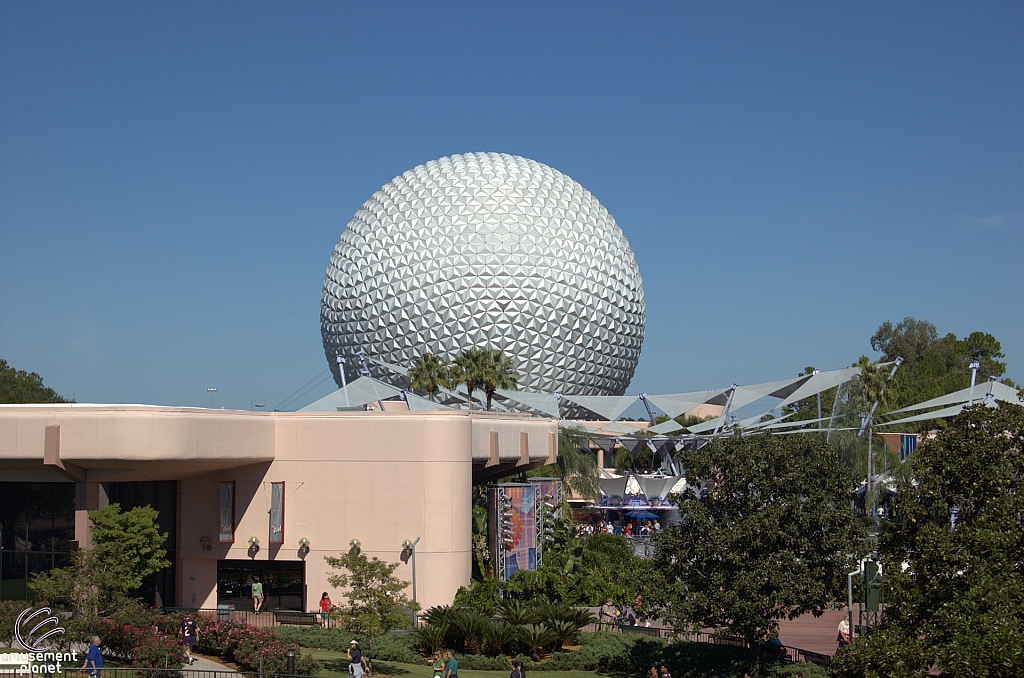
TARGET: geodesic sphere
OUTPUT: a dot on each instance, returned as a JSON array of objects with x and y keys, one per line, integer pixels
[{"x": 487, "y": 250}]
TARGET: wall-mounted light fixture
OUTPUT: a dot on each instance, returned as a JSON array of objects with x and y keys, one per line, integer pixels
[
  {"x": 205, "y": 543},
  {"x": 409, "y": 553},
  {"x": 354, "y": 547},
  {"x": 254, "y": 546},
  {"x": 303, "y": 547}
]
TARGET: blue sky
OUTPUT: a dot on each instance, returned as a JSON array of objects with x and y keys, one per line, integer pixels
[{"x": 173, "y": 176}]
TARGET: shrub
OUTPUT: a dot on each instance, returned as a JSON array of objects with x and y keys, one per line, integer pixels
[
  {"x": 9, "y": 611},
  {"x": 481, "y": 595},
  {"x": 248, "y": 646},
  {"x": 499, "y": 637},
  {"x": 137, "y": 645},
  {"x": 430, "y": 638}
]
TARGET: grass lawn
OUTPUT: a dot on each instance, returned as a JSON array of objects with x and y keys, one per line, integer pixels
[{"x": 336, "y": 666}]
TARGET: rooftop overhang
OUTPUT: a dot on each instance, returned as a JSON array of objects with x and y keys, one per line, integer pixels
[{"x": 122, "y": 443}]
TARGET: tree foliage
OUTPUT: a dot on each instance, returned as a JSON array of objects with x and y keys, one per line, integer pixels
[
  {"x": 499, "y": 372},
  {"x": 770, "y": 536},
  {"x": 954, "y": 579},
  {"x": 470, "y": 368},
  {"x": 933, "y": 365},
  {"x": 483, "y": 369},
  {"x": 19, "y": 386},
  {"x": 576, "y": 465},
  {"x": 430, "y": 374},
  {"x": 126, "y": 548},
  {"x": 376, "y": 597}
]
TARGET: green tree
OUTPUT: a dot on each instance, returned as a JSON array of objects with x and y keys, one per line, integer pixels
[
  {"x": 430, "y": 373},
  {"x": 471, "y": 368},
  {"x": 126, "y": 548},
  {"x": 954, "y": 581},
  {"x": 376, "y": 597},
  {"x": 19, "y": 386},
  {"x": 769, "y": 537},
  {"x": 933, "y": 365},
  {"x": 499, "y": 372},
  {"x": 576, "y": 465}
]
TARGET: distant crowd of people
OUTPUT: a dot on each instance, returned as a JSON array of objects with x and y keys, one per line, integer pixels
[{"x": 629, "y": 528}]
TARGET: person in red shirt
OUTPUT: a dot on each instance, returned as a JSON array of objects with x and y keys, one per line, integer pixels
[{"x": 325, "y": 607}]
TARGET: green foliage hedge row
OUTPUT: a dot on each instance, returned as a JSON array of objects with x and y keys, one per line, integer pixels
[{"x": 601, "y": 651}]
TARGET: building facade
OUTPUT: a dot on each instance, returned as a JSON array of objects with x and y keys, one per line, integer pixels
[{"x": 244, "y": 494}]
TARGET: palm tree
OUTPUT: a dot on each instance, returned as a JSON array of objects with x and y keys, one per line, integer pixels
[
  {"x": 501, "y": 373},
  {"x": 471, "y": 368},
  {"x": 576, "y": 466},
  {"x": 430, "y": 373}
]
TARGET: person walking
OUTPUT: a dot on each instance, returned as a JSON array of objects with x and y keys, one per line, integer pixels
[
  {"x": 325, "y": 608},
  {"x": 189, "y": 635},
  {"x": 843, "y": 637},
  {"x": 356, "y": 664},
  {"x": 437, "y": 665},
  {"x": 257, "y": 595},
  {"x": 452, "y": 670},
  {"x": 93, "y": 659},
  {"x": 607, "y": 614}
]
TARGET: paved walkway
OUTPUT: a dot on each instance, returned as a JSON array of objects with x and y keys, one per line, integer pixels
[
  {"x": 203, "y": 664},
  {"x": 817, "y": 634}
]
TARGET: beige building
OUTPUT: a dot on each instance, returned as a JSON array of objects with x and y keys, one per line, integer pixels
[{"x": 265, "y": 494}]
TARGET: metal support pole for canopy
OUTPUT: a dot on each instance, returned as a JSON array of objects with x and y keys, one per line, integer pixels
[
  {"x": 650, "y": 415},
  {"x": 725, "y": 412}
]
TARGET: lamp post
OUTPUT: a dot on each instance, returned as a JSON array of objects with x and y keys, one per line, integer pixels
[
  {"x": 211, "y": 391},
  {"x": 410, "y": 546},
  {"x": 974, "y": 377}
]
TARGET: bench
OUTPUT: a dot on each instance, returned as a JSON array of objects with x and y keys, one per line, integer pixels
[{"x": 296, "y": 618}]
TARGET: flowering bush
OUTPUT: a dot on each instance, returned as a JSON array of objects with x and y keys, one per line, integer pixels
[
  {"x": 247, "y": 646},
  {"x": 138, "y": 645}
]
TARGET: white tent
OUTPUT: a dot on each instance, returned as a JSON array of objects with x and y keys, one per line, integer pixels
[
  {"x": 821, "y": 382},
  {"x": 541, "y": 402},
  {"x": 356, "y": 394},
  {"x": 609, "y": 407},
  {"x": 1001, "y": 392}
]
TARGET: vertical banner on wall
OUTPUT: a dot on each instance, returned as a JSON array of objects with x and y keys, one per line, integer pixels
[
  {"x": 276, "y": 513},
  {"x": 522, "y": 552},
  {"x": 227, "y": 511}
]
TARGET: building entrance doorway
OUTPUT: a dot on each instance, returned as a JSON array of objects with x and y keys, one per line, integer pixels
[{"x": 284, "y": 584}]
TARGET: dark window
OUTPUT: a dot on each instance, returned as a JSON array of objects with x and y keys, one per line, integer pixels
[
  {"x": 157, "y": 589},
  {"x": 37, "y": 524}
]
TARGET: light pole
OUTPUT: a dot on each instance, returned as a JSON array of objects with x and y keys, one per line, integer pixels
[
  {"x": 817, "y": 386},
  {"x": 410, "y": 546},
  {"x": 974, "y": 377},
  {"x": 211, "y": 391}
]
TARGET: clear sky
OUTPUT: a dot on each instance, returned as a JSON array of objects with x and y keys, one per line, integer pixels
[{"x": 174, "y": 176}]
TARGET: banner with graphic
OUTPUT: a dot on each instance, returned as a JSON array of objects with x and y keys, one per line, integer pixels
[{"x": 522, "y": 553}]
